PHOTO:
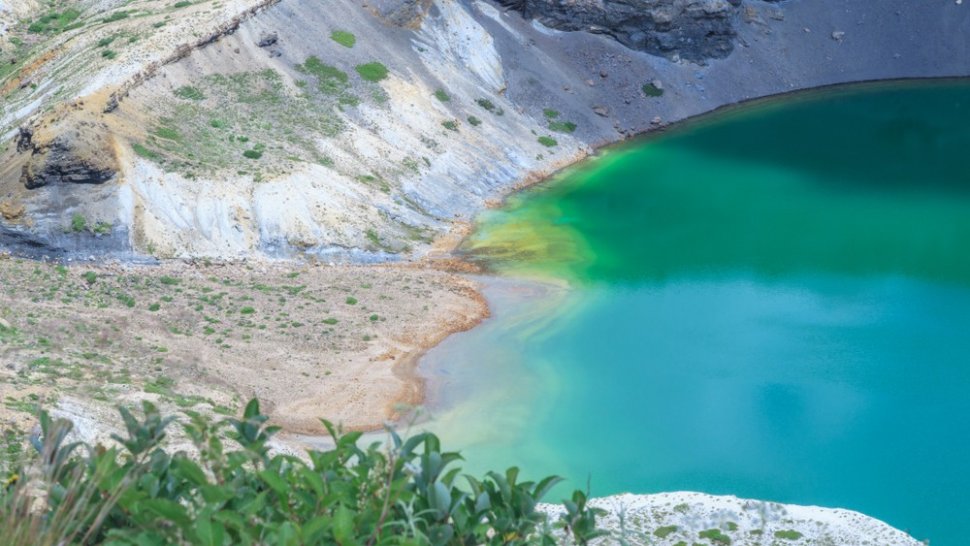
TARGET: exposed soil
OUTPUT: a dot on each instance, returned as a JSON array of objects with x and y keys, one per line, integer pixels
[{"x": 310, "y": 341}]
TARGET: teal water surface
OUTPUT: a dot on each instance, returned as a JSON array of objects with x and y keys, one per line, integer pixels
[{"x": 772, "y": 303}]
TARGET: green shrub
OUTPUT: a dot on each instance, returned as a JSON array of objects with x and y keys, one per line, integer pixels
[
  {"x": 330, "y": 321},
  {"x": 562, "y": 126},
  {"x": 247, "y": 310},
  {"x": 451, "y": 125},
  {"x": 351, "y": 300},
  {"x": 664, "y": 532},
  {"x": 715, "y": 536},
  {"x": 652, "y": 90},
  {"x": 235, "y": 491},
  {"x": 90, "y": 277},
  {"x": 168, "y": 281},
  {"x": 486, "y": 104},
  {"x": 78, "y": 222},
  {"x": 374, "y": 318},
  {"x": 182, "y": 4},
  {"x": 109, "y": 54},
  {"x": 105, "y": 42},
  {"x": 116, "y": 16},
  {"x": 442, "y": 95},
  {"x": 189, "y": 93},
  {"x": 550, "y": 113},
  {"x": 548, "y": 142},
  {"x": 253, "y": 154},
  {"x": 372, "y": 72},
  {"x": 788, "y": 534},
  {"x": 343, "y": 38},
  {"x": 475, "y": 122},
  {"x": 154, "y": 307}
]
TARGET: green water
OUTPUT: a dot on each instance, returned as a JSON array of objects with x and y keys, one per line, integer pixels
[{"x": 772, "y": 303}]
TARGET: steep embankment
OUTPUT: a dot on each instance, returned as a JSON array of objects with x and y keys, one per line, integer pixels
[{"x": 366, "y": 131}]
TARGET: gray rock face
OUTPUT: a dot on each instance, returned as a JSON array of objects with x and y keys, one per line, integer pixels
[{"x": 694, "y": 30}]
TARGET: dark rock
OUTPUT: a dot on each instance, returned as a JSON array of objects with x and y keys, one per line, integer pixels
[
  {"x": 693, "y": 29},
  {"x": 601, "y": 111},
  {"x": 24, "y": 136},
  {"x": 267, "y": 39},
  {"x": 70, "y": 158}
]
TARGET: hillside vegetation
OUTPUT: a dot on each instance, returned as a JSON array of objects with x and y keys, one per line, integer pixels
[{"x": 233, "y": 490}]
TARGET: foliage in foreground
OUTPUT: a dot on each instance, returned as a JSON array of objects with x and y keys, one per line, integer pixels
[{"x": 407, "y": 492}]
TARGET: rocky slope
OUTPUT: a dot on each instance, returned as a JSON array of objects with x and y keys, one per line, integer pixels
[{"x": 366, "y": 131}]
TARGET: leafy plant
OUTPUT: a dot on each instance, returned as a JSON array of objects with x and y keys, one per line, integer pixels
[
  {"x": 548, "y": 142},
  {"x": 235, "y": 491},
  {"x": 442, "y": 95}
]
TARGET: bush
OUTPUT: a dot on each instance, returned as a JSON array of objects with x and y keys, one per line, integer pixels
[
  {"x": 372, "y": 72},
  {"x": 189, "y": 93},
  {"x": 78, "y": 223},
  {"x": 451, "y": 125},
  {"x": 548, "y": 142},
  {"x": 343, "y": 38},
  {"x": 475, "y": 122},
  {"x": 562, "y": 126},
  {"x": 407, "y": 492},
  {"x": 652, "y": 90},
  {"x": 442, "y": 95}
]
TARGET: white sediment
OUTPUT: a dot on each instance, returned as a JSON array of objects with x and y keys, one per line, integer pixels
[{"x": 637, "y": 519}]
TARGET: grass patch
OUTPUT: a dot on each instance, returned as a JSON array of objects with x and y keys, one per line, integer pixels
[
  {"x": 789, "y": 534},
  {"x": 451, "y": 125},
  {"x": 343, "y": 38},
  {"x": 55, "y": 21},
  {"x": 548, "y": 142},
  {"x": 372, "y": 72},
  {"x": 351, "y": 300},
  {"x": 141, "y": 151},
  {"x": 442, "y": 95},
  {"x": 664, "y": 532},
  {"x": 182, "y": 4},
  {"x": 247, "y": 310},
  {"x": 550, "y": 113},
  {"x": 475, "y": 122}
]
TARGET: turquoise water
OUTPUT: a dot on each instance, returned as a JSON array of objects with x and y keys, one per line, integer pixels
[{"x": 772, "y": 303}]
